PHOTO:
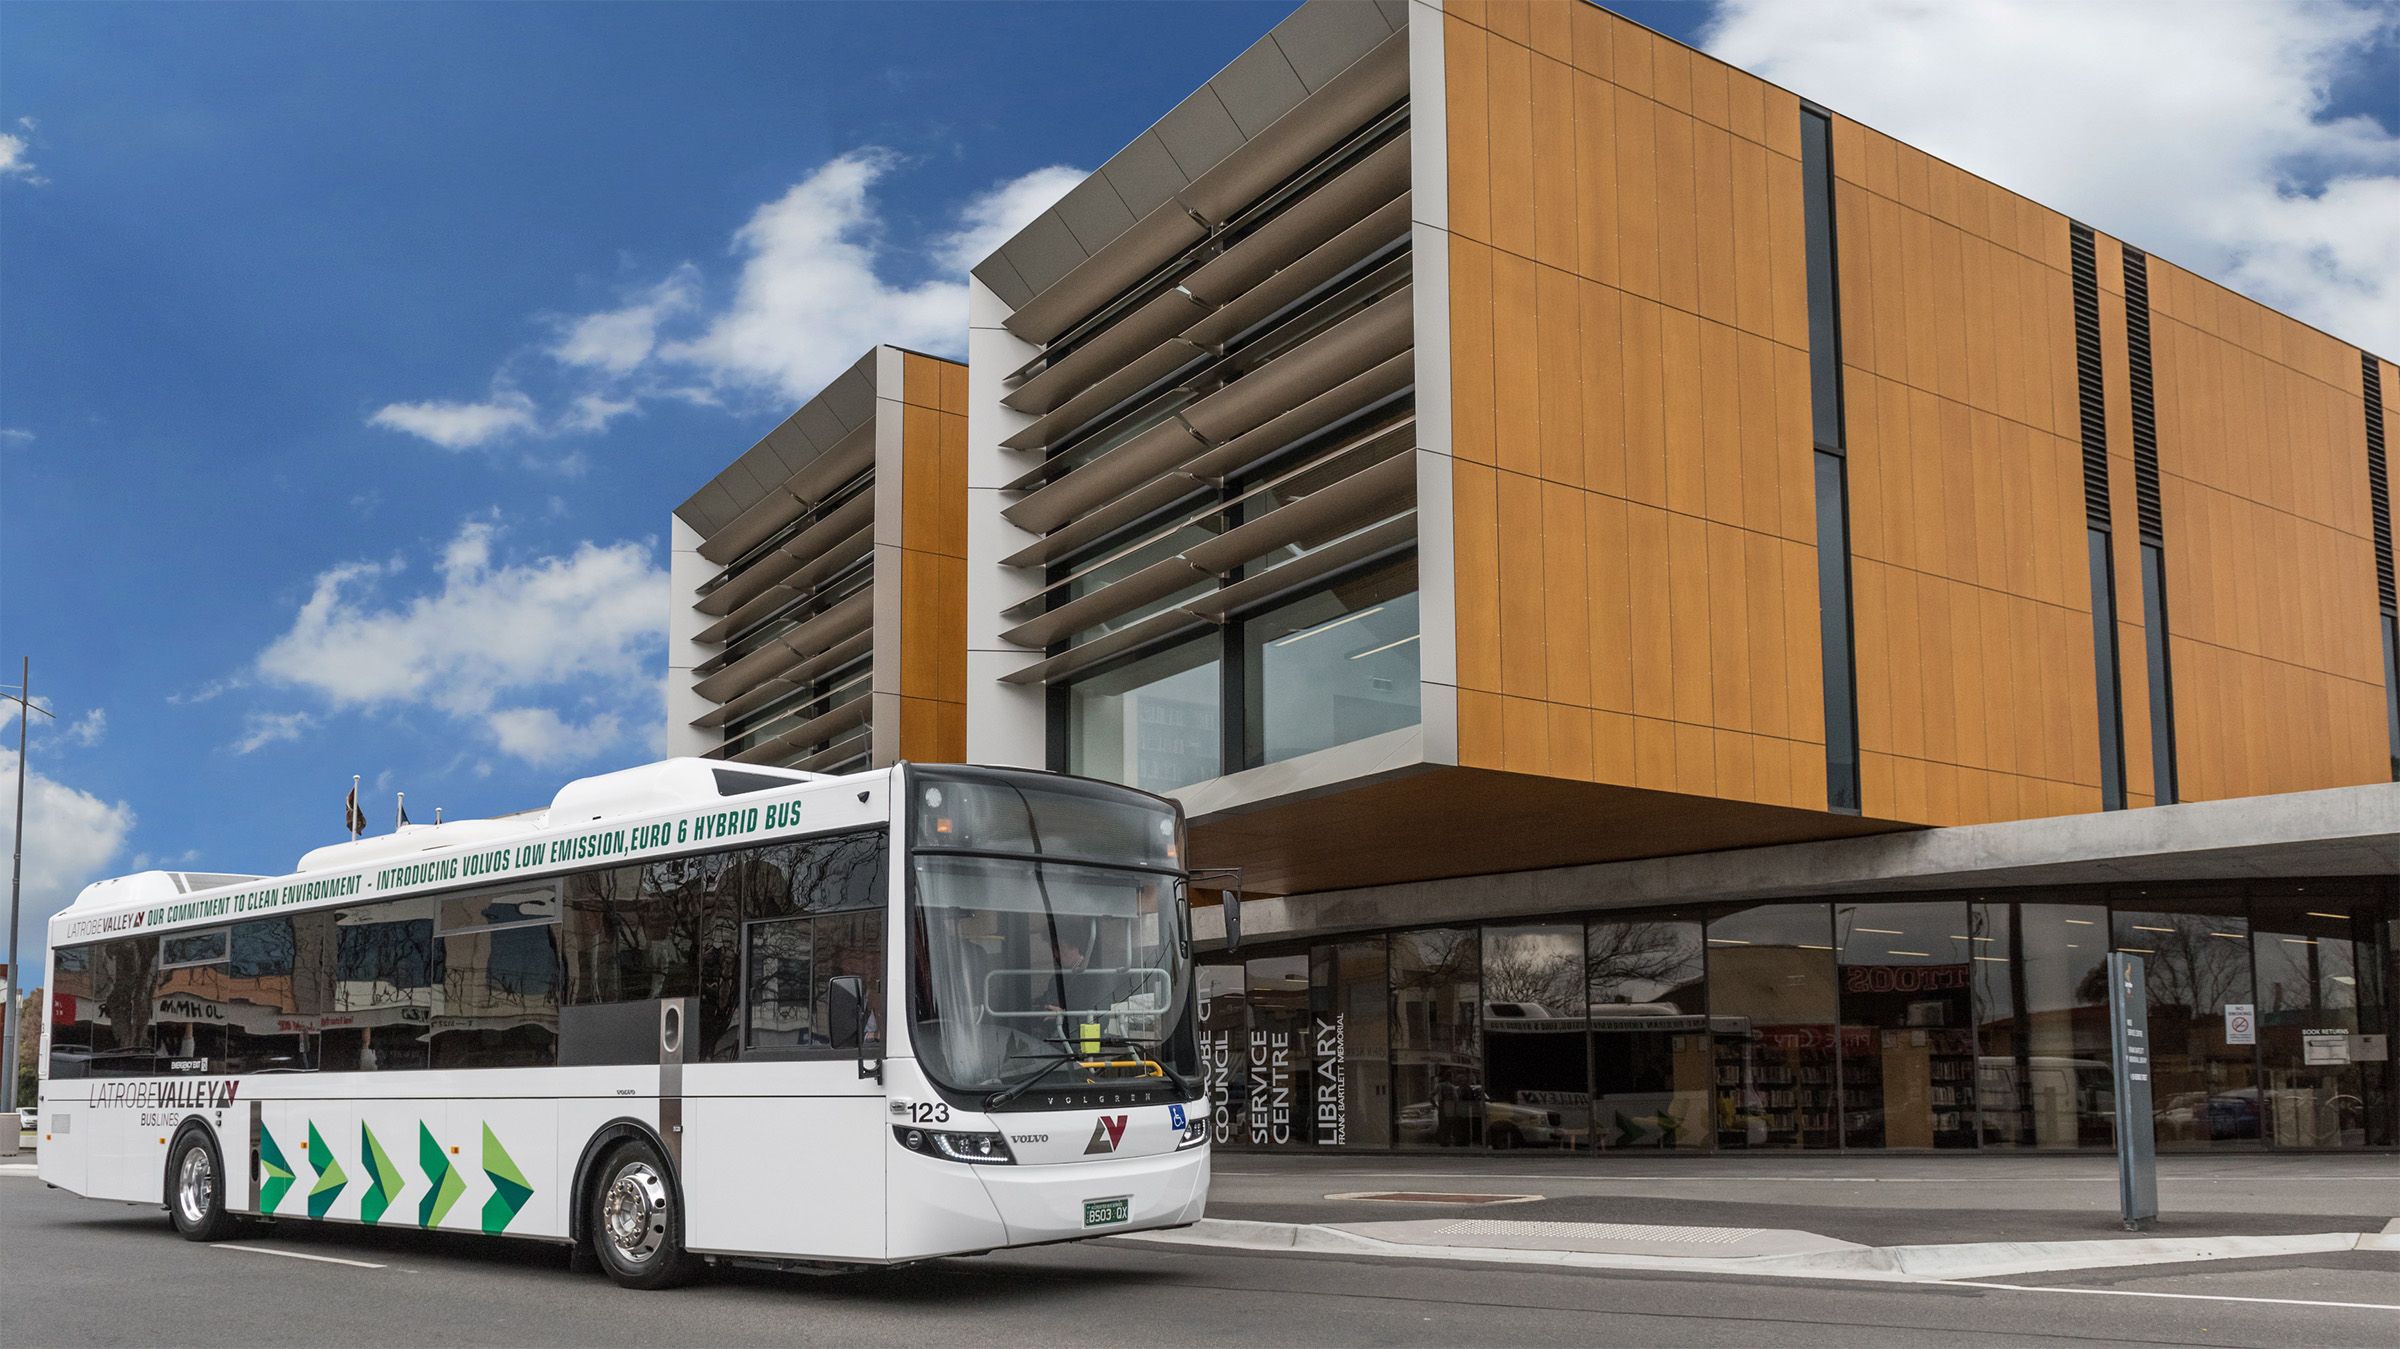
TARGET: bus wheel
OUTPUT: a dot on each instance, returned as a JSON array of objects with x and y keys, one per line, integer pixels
[
  {"x": 196, "y": 1189},
  {"x": 635, "y": 1222}
]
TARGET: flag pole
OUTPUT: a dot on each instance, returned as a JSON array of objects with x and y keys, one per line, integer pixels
[
  {"x": 403, "y": 808},
  {"x": 354, "y": 813}
]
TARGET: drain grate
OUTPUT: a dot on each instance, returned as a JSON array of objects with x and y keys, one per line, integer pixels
[{"x": 1681, "y": 1236}]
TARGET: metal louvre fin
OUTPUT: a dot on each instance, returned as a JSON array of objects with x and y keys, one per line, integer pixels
[
  {"x": 1161, "y": 578},
  {"x": 1117, "y": 387},
  {"x": 778, "y": 657},
  {"x": 837, "y": 525},
  {"x": 803, "y": 579},
  {"x": 2147, "y": 500},
  {"x": 1087, "y": 367},
  {"x": 834, "y": 657},
  {"x": 1380, "y": 381},
  {"x": 1343, "y": 350},
  {"x": 1317, "y": 123},
  {"x": 1154, "y": 451},
  {"x": 816, "y": 480},
  {"x": 1093, "y": 652},
  {"x": 1356, "y": 193},
  {"x": 2090, "y": 398},
  {"x": 812, "y": 732},
  {"x": 1397, "y": 532},
  {"x": 2379, "y": 481},
  {"x": 1386, "y": 226}
]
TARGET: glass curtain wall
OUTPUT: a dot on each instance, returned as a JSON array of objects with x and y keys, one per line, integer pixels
[
  {"x": 1908, "y": 1024},
  {"x": 2321, "y": 1021},
  {"x": 1771, "y": 1013},
  {"x": 2044, "y": 1075},
  {"x": 1534, "y": 1057},
  {"x": 1437, "y": 1058},
  {"x": 1653, "y": 1067},
  {"x": 1225, "y": 1048},
  {"x": 1332, "y": 667},
  {"x": 2196, "y": 962},
  {"x": 1276, "y": 1060},
  {"x": 1350, "y": 990},
  {"x": 1152, "y": 724}
]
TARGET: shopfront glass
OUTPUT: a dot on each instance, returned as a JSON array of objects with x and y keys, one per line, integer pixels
[
  {"x": 1277, "y": 1053},
  {"x": 1908, "y": 1024},
  {"x": 1771, "y": 1012},
  {"x": 1225, "y": 1049},
  {"x": 2322, "y": 1037},
  {"x": 1437, "y": 1060},
  {"x": 1534, "y": 1056},
  {"x": 2196, "y": 961},
  {"x": 1349, "y": 992},
  {"x": 2044, "y": 1076},
  {"x": 1653, "y": 1066}
]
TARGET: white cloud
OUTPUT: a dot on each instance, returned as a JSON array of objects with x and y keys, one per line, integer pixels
[
  {"x": 617, "y": 340},
  {"x": 543, "y": 738},
  {"x": 71, "y": 836},
  {"x": 85, "y": 731},
  {"x": 14, "y": 156},
  {"x": 811, "y": 298},
  {"x": 17, "y": 434},
  {"x": 215, "y": 688},
  {"x": 490, "y": 638},
  {"x": 460, "y": 426},
  {"x": 819, "y": 281},
  {"x": 261, "y": 729},
  {"x": 2202, "y": 134},
  {"x": 992, "y": 219}
]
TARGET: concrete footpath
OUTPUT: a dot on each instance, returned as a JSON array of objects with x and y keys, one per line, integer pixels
[{"x": 1915, "y": 1218}]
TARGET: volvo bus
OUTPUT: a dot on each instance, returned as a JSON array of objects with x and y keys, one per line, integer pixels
[{"x": 693, "y": 1012}]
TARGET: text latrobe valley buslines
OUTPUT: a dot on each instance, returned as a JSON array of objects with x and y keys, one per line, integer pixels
[{"x": 591, "y": 845}]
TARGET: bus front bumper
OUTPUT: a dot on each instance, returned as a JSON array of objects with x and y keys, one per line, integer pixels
[{"x": 987, "y": 1207}]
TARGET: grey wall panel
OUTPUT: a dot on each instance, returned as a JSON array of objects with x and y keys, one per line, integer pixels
[
  {"x": 1044, "y": 251},
  {"x": 1320, "y": 41},
  {"x": 1143, "y": 174},
  {"x": 1199, "y": 133},
  {"x": 1094, "y": 213},
  {"x": 1395, "y": 12},
  {"x": 1000, "y": 277},
  {"x": 1258, "y": 87},
  {"x": 820, "y": 424}
]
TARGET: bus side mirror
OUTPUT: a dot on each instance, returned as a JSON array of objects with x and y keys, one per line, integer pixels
[
  {"x": 846, "y": 1012},
  {"x": 1232, "y": 902}
]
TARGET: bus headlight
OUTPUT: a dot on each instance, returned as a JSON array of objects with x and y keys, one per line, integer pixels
[
  {"x": 1194, "y": 1133},
  {"x": 990, "y": 1149}
]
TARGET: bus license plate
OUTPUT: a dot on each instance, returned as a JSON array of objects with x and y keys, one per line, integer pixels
[{"x": 1102, "y": 1212}]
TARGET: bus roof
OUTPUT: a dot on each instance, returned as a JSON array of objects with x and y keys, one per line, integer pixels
[{"x": 583, "y": 824}]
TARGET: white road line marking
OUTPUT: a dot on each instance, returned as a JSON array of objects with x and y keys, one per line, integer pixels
[
  {"x": 300, "y": 1255},
  {"x": 2186, "y": 1297}
]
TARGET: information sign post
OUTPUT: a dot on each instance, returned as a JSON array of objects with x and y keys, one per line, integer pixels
[{"x": 2137, "y": 1152}]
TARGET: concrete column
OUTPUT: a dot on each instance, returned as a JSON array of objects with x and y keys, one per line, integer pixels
[
  {"x": 687, "y": 571},
  {"x": 1004, "y": 721}
]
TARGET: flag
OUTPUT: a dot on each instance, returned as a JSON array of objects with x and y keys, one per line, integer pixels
[
  {"x": 353, "y": 819},
  {"x": 404, "y": 808}
]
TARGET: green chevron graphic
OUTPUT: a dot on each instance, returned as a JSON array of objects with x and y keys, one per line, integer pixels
[
  {"x": 383, "y": 1178},
  {"x": 279, "y": 1172},
  {"x": 442, "y": 1185},
  {"x": 330, "y": 1177},
  {"x": 509, "y": 1187}
]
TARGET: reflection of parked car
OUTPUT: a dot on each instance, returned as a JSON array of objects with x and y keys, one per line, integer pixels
[
  {"x": 28, "y": 1119},
  {"x": 1520, "y": 1126}
]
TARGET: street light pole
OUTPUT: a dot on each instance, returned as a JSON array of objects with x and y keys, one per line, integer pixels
[{"x": 16, "y": 885}]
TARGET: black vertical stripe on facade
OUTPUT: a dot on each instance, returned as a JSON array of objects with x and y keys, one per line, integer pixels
[
  {"x": 2091, "y": 398},
  {"x": 2145, "y": 406},
  {"x": 1835, "y": 636},
  {"x": 2093, "y": 406},
  {"x": 2379, "y": 481}
]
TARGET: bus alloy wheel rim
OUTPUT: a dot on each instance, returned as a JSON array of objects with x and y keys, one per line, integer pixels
[
  {"x": 634, "y": 1212},
  {"x": 193, "y": 1184}
]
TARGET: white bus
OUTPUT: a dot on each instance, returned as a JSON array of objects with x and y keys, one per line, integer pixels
[{"x": 692, "y": 1012}]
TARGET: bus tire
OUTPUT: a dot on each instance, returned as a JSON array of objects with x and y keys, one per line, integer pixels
[
  {"x": 634, "y": 1219},
  {"x": 196, "y": 1187}
]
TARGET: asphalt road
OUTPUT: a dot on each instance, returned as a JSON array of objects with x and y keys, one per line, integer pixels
[{"x": 77, "y": 1272}]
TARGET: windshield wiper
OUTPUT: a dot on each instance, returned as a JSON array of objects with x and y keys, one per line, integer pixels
[{"x": 1070, "y": 1051}]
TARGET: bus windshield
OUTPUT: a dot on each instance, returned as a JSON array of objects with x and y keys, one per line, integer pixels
[{"x": 1050, "y": 947}]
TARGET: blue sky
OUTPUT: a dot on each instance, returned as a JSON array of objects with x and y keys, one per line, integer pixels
[{"x": 352, "y": 356}]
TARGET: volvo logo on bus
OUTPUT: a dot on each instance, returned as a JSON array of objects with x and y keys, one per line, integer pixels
[{"x": 1107, "y": 1132}]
